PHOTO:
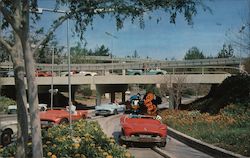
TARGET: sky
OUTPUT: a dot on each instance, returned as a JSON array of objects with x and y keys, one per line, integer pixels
[{"x": 164, "y": 40}]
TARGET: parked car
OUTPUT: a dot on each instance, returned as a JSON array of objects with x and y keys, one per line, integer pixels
[
  {"x": 146, "y": 72},
  {"x": 53, "y": 117},
  {"x": 142, "y": 128},
  {"x": 79, "y": 73},
  {"x": 12, "y": 109},
  {"x": 7, "y": 131},
  {"x": 109, "y": 109}
]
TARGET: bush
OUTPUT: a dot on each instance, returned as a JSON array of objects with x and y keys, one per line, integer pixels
[
  {"x": 5, "y": 102},
  {"x": 229, "y": 129},
  {"x": 85, "y": 91},
  {"x": 86, "y": 140}
]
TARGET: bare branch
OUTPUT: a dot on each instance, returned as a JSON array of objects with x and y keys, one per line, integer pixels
[
  {"x": 6, "y": 45},
  {"x": 8, "y": 16}
]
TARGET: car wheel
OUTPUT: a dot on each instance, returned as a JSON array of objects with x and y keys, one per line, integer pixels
[
  {"x": 42, "y": 109},
  {"x": 159, "y": 73},
  {"x": 64, "y": 121},
  {"x": 137, "y": 74},
  {"x": 6, "y": 138},
  {"x": 162, "y": 144},
  {"x": 115, "y": 112}
]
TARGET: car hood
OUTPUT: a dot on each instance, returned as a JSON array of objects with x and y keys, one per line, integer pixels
[
  {"x": 52, "y": 115},
  {"x": 142, "y": 124},
  {"x": 106, "y": 106}
]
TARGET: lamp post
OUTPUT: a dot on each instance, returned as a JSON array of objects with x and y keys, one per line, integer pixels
[
  {"x": 113, "y": 37},
  {"x": 40, "y": 10},
  {"x": 241, "y": 45}
]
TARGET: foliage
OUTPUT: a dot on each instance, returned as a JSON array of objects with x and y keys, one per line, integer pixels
[
  {"x": 87, "y": 140},
  {"x": 229, "y": 129},
  {"x": 5, "y": 102},
  {"x": 247, "y": 65},
  {"x": 85, "y": 91},
  {"x": 234, "y": 89},
  {"x": 226, "y": 52},
  {"x": 79, "y": 53},
  {"x": 194, "y": 53}
]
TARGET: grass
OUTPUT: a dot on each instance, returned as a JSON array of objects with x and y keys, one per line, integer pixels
[{"x": 229, "y": 129}]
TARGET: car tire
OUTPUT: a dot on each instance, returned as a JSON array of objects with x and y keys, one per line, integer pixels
[
  {"x": 115, "y": 112},
  {"x": 162, "y": 144},
  {"x": 6, "y": 138},
  {"x": 64, "y": 121}
]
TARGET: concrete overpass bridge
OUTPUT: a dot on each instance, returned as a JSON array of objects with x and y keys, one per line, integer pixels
[{"x": 116, "y": 83}]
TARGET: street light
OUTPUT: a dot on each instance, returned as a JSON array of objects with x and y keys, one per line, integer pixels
[
  {"x": 40, "y": 11},
  {"x": 241, "y": 45},
  {"x": 113, "y": 37}
]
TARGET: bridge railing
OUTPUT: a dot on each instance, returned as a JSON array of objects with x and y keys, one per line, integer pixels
[{"x": 220, "y": 65}]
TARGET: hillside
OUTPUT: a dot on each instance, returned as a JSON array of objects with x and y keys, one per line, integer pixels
[{"x": 233, "y": 90}]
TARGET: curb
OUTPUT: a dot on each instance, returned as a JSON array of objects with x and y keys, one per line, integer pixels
[
  {"x": 202, "y": 146},
  {"x": 163, "y": 153}
]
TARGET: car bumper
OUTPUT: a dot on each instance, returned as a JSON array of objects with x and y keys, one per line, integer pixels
[
  {"x": 103, "y": 112},
  {"x": 146, "y": 139}
]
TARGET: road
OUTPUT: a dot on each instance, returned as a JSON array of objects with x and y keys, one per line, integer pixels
[{"x": 174, "y": 148}]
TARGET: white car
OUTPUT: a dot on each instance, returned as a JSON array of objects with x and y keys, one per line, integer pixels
[
  {"x": 12, "y": 109},
  {"x": 109, "y": 109},
  {"x": 85, "y": 73},
  {"x": 7, "y": 131},
  {"x": 80, "y": 73}
]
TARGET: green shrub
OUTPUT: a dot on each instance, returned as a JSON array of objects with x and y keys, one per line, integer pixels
[
  {"x": 85, "y": 91},
  {"x": 85, "y": 140},
  {"x": 5, "y": 102}
]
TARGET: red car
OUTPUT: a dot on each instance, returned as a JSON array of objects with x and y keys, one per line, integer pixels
[
  {"x": 142, "y": 128},
  {"x": 59, "y": 116}
]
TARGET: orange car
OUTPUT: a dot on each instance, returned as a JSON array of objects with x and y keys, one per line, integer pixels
[
  {"x": 53, "y": 117},
  {"x": 142, "y": 128}
]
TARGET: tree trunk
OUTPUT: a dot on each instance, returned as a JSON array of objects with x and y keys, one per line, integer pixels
[
  {"x": 21, "y": 100},
  {"x": 37, "y": 149}
]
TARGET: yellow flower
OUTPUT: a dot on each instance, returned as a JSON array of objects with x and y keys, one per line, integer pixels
[
  {"x": 83, "y": 156},
  {"x": 49, "y": 153},
  {"x": 109, "y": 156},
  {"x": 44, "y": 146},
  {"x": 53, "y": 156},
  {"x": 105, "y": 153},
  {"x": 54, "y": 145},
  {"x": 76, "y": 145},
  {"x": 127, "y": 154},
  {"x": 48, "y": 142},
  {"x": 77, "y": 155}
]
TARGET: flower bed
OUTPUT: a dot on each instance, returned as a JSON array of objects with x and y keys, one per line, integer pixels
[
  {"x": 86, "y": 139},
  {"x": 229, "y": 129}
]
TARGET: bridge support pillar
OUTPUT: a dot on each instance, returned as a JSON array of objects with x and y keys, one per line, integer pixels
[
  {"x": 112, "y": 97},
  {"x": 98, "y": 97},
  {"x": 123, "y": 72},
  {"x": 158, "y": 85},
  {"x": 123, "y": 97}
]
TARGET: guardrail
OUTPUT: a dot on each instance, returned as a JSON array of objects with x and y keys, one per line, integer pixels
[{"x": 173, "y": 67}]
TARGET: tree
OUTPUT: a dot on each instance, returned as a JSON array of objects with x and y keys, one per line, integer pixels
[
  {"x": 194, "y": 53},
  {"x": 135, "y": 55},
  {"x": 226, "y": 52},
  {"x": 174, "y": 87},
  {"x": 101, "y": 51},
  {"x": 17, "y": 16}
]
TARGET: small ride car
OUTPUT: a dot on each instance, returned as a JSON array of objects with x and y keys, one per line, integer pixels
[
  {"x": 7, "y": 131},
  {"x": 53, "y": 117},
  {"x": 142, "y": 129},
  {"x": 146, "y": 72},
  {"x": 109, "y": 109}
]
